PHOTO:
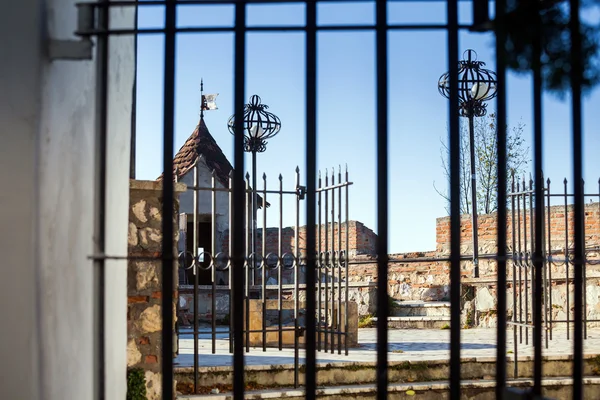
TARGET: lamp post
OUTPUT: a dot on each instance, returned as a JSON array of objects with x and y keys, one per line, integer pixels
[
  {"x": 476, "y": 85},
  {"x": 259, "y": 125}
]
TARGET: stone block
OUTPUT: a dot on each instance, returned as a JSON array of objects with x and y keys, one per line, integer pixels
[
  {"x": 150, "y": 319},
  {"x": 134, "y": 356},
  {"x": 146, "y": 276},
  {"x": 288, "y": 336}
]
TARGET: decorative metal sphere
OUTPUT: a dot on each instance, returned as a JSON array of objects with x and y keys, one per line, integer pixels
[
  {"x": 476, "y": 85},
  {"x": 259, "y": 125}
]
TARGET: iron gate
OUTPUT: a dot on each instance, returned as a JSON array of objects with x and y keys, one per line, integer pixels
[
  {"x": 94, "y": 21},
  {"x": 274, "y": 272},
  {"x": 557, "y": 252}
]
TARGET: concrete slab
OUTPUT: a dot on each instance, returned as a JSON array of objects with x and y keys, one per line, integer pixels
[{"x": 404, "y": 345}]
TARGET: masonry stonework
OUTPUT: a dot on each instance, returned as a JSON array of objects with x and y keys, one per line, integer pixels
[
  {"x": 144, "y": 280},
  {"x": 361, "y": 239}
]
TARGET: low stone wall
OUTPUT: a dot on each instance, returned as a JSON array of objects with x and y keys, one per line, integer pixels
[
  {"x": 144, "y": 281},
  {"x": 363, "y": 294},
  {"x": 480, "y": 305},
  {"x": 421, "y": 280},
  {"x": 287, "y": 334}
]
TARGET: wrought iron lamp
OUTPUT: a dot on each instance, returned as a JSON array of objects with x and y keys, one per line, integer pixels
[
  {"x": 259, "y": 126},
  {"x": 476, "y": 85}
]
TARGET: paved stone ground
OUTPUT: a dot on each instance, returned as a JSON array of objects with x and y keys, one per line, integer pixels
[{"x": 404, "y": 344}]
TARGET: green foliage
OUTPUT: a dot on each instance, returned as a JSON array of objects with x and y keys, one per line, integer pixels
[
  {"x": 486, "y": 158},
  {"x": 547, "y": 23},
  {"x": 366, "y": 321},
  {"x": 136, "y": 384}
]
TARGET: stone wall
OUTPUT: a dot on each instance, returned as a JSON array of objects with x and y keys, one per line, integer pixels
[
  {"x": 361, "y": 239},
  {"x": 421, "y": 280},
  {"x": 487, "y": 229},
  {"x": 425, "y": 278},
  {"x": 144, "y": 280}
]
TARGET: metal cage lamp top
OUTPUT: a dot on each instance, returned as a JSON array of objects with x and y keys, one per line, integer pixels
[
  {"x": 259, "y": 125},
  {"x": 475, "y": 85}
]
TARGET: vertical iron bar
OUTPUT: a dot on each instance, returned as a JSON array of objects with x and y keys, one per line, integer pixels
[
  {"x": 102, "y": 71},
  {"x": 254, "y": 219},
  {"x": 520, "y": 263},
  {"x": 339, "y": 263},
  {"x": 549, "y": 262},
  {"x": 195, "y": 272},
  {"x": 311, "y": 177},
  {"x": 546, "y": 288},
  {"x": 474, "y": 225},
  {"x": 326, "y": 266},
  {"x": 249, "y": 258},
  {"x": 168, "y": 205},
  {"x": 230, "y": 260},
  {"x": 583, "y": 263},
  {"x": 213, "y": 259},
  {"x": 455, "y": 275},
  {"x": 333, "y": 259},
  {"x": 514, "y": 276},
  {"x": 297, "y": 282},
  {"x": 238, "y": 199},
  {"x": 526, "y": 263},
  {"x": 264, "y": 264},
  {"x": 320, "y": 266},
  {"x": 281, "y": 264},
  {"x": 567, "y": 262},
  {"x": 133, "y": 141},
  {"x": 347, "y": 259},
  {"x": 502, "y": 190},
  {"x": 382, "y": 197},
  {"x": 538, "y": 228},
  {"x": 578, "y": 238}
]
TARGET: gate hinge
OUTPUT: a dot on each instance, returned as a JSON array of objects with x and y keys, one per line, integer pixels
[
  {"x": 70, "y": 49},
  {"x": 301, "y": 192}
]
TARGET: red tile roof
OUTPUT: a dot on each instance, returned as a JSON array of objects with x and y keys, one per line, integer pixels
[{"x": 201, "y": 143}]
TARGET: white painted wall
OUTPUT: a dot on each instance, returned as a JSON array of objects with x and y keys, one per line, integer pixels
[
  {"x": 46, "y": 207},
  {"x": 186, "y": 200},
  {"x": 19, "y": 122}
]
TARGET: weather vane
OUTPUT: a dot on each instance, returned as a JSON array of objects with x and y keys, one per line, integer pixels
[{"x": 208, "y": 100}]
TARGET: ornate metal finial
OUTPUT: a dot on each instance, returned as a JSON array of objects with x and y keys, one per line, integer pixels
[
  {"x": 280, "y": 177},
  {"x": 297, "y": 169},
  {"x": 264, "y": 175},
  {"x": 247, "y": 175},
  {"x": 259, "y": 125},
  {"x": 476, "y": 85},
  {"x": 565, "y": 181},
  {"x": 201, "y": 98}
]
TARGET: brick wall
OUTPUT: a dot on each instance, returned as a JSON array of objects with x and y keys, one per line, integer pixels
[
  {"x": 420, "y": 280},
  {"x": 488, "y": 229},
  {"x": 361, "y": 239},
  {"x": 427, "y": 279},
  {"x": 144, "y": 281}
]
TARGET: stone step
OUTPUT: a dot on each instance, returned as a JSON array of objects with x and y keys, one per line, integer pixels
[
  {"x": 417, "y": 322},
  {"x": 364, "y": 372},
  {"x": 558, "y": 388},
  {"x": 421, "y": 308}
]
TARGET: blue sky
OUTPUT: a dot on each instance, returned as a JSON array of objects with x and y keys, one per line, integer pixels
[{"x": 346, "y": 104}]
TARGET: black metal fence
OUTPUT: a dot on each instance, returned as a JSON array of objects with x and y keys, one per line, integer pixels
[
  {"x": 94, "y": 21},
  {"x": 272, "y": 271},
  {"x": 557, "y": 256}
]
